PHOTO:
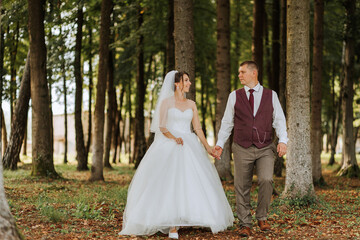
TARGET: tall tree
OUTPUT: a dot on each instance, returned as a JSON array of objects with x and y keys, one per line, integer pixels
[
  {"x": 170, "y": 45},
  {"x": 140, "y": 141},
  {"x": 316, "y": 92},
  {"x": 90, "y": 92},
  {"x": 110, "y": 115},
  {"x": 81, "y": 155},
  {"x": 184, "y": 41},
  {"x": 349, "y": 167},
  {"x": 14, "y": 51},
  {"x": 18, "y": 126},
  {"x": 257, "y": 35},
  {"x": 98, "y": 143},
  {"x": 298, "y": 181},
  {"x": 223, "y": 79},
  {"x": 279, "y": 161},
  {"x": 275, "y": 58},
  {"x": 8, "y": 228},
  {"x": 63, "y": 70},
  {"x": 42, "y": 154}
]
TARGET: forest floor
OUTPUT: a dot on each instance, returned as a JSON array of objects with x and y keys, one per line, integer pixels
[{"x": 73, "y": 208}]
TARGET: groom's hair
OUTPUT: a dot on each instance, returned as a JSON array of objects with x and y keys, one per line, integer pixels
[{"x": 252, "y": 65}]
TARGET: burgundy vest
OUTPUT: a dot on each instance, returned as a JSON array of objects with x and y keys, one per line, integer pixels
[{"x": 250, "y": 130}]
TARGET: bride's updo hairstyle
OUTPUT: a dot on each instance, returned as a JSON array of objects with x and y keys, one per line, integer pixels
[{"x": 179, "y": 77}]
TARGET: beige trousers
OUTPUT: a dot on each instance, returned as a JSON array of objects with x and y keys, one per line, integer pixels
[{"x": 244, "y": 160}]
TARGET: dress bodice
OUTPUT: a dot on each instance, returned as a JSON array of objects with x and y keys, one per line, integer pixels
[{"x": 179, "y": 121}]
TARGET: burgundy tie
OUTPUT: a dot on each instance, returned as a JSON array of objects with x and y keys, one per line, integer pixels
[{"x": 251, "y": 100}]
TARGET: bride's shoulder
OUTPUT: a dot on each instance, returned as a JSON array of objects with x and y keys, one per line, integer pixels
[{"x": 191, "y": 103}]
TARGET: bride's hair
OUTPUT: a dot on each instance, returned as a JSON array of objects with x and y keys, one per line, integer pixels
[{"x": 179, "y": 76}]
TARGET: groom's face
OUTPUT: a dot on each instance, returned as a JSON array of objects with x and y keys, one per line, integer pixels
[{"x": 246, "y": 76}]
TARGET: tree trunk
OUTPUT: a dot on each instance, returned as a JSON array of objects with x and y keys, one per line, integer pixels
[
  {"x": 98, "y": 145},
  {"x": 65, "y": 102},
  {"x": 8, "y": 228},
  {"x": 140, "y": 141},
  {"x": 18, "y": 126},
  {"x": 349, "y": 167},
  {"x": 316, "y": 135},
  {"x": 223, "y": 79},
  {"x": 257, "y": 35},
  {"x": 237, "y": 40},
  {"x": 88, "y": 144},
  {"x": 279, "y": 161},
  {"x": 170, "y": 45},
  {"x": 25, "y": 137},
  {"x": 81, "y": 155},
  {"x": 267, "y": 50},
  {"x": 283, "y": 38},
  {"x": 335, "y": 130},
  {"x": 4, "y": 132},
  {"x": 184, "y": 43},
  {"x": 110, "y": 111},
  {"x": 49, "y": 79},
  {"x": 298, "y": 181},
  {"x": 275, "y": 46},
  {"x": 118, "y": 129},
  {"x": 14, "y": 50},
  {"x": 42, "y": 154}
]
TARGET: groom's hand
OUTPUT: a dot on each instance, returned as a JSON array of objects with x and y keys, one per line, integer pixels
[
  {"x": 218, "y": 151},
  {"x": 281, "y": 149}
]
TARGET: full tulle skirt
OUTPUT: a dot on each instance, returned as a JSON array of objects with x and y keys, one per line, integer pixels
[{"x": 175, "y": 185}]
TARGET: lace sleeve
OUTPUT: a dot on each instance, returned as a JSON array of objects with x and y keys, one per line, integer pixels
[{"x": 195, "y": 121}]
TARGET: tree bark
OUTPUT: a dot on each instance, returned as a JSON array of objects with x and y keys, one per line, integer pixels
[
  {"x": 18, "y": 126},
  {"x": 42, "y": 154},
  {"x": 335, "y": 128},
  {"x": 81, "y": 154},
  {"x": 4, "y": 132},
  {"x": 316, "y": 135},
  {"x": 298, "y": 181},
  {"x": 140, "y": 141},
  {"x": 279, "y": 161},
  {"x": 275, "y": 46},
  {"x": 98, "y": 145},
  {"x": 349, "y": 167},
  {"x": 110, "y": 117},
  {"x": 223, "y": 82},
  {"x": 257, "y": 35},
  {"x": 118, "y": 129},
  {"x": 237, "y": 40},
  {"x": 184, "y": 43},
  {"x": 14, "y": 50},
  {"x": 88, "y": 144},
  {"x": 65, "y": 102},
  {"x": 170, "y": 45}
]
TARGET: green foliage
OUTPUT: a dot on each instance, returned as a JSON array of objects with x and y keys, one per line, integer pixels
[{"x": 49, "y": 211}]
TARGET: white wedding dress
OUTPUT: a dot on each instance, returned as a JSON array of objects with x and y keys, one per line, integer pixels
[{"x": 176, "y": 185}]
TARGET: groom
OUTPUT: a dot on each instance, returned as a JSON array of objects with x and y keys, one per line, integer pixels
[{"x": 252, "y": 111}]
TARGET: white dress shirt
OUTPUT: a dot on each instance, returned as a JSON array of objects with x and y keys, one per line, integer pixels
[{"x": 227, "y": 122}]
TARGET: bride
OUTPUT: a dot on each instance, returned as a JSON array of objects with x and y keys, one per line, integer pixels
[{"x": 176, "y": 184}]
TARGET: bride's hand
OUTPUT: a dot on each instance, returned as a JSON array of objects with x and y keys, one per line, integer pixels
[
  {"x": 179, "y": 141},
  {"x": 209, "y": 150}
]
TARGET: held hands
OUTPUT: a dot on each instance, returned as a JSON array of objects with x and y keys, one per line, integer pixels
[
  {"x": 281, "y": 149},
  {"x": 216, "y": 152}
]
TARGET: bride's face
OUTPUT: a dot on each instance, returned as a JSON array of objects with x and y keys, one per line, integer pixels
[{"x": 186, "y": 83}]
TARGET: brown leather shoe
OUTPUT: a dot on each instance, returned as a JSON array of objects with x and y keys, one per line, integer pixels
[
  {"x": 264, "y": 225},
  {"x": 245, "y": 231}
]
